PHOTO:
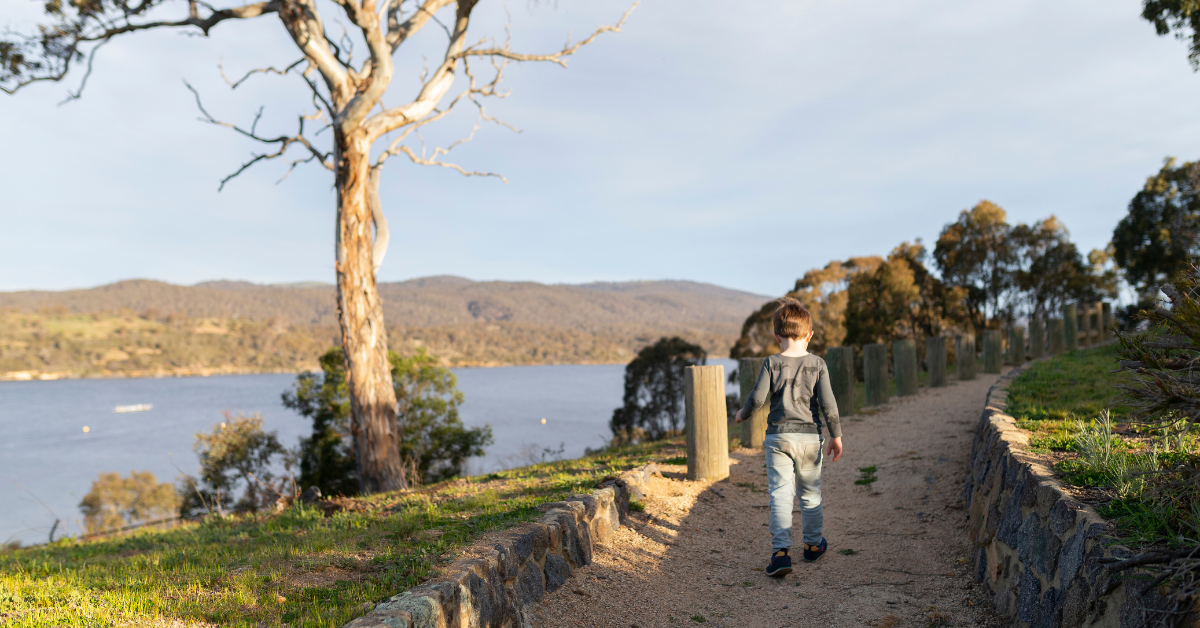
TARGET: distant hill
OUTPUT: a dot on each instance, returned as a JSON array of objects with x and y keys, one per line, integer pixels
[{"x": 463, "y": 321}]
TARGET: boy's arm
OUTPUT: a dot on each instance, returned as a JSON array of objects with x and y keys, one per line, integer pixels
[
  {"x": 759, "y": 394},
  {"x": 828, "y": 404}
]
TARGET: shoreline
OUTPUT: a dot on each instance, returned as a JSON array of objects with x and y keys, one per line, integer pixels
[{"x": 34, "y": 376}]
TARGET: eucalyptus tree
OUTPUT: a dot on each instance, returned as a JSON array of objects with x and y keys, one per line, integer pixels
[
  {"x": 347, "y": 100},
  {"x": 1181, "y": 17}
]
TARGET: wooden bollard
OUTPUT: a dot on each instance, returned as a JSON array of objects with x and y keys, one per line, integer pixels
[
  {"x": 1016, "y": 345},
  {"x": 1084, "y": 312},
  {"x": 875, "y": 374},
  {"x": 840, "y": 361},
  {"x": 1106, "y": 322},
  {"x": 1070, "y": 327},
  {"x": 707, "y": 427},
  {"x": 1056, "y": 336},
  {"x": 1037, "y": 338},
  {"x": 992, "y": 339},
  {"x": 754, "y": 428},
  {"x": 904, "y": 364},
  {"x": 935, "y": 360},
  {"x": 964, "y": 356}
]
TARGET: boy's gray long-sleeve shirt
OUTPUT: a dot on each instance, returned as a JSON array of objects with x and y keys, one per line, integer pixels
[{"x": 799, "y": 392}]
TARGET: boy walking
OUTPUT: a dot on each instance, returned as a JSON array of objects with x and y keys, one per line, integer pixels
[{"x": 797, "y": 385}]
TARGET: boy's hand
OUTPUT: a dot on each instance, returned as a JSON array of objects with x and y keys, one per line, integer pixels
[
  {"x": 737, "y": 418},
  {"x": 835, "y": 449}
]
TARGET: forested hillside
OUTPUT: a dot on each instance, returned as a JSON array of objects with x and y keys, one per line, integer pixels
[{"x": 146, "y": 328}]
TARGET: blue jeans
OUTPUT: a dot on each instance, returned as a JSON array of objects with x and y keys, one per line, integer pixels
[{"x": 794, "y": 466}]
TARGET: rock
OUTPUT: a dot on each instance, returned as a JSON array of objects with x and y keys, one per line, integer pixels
[
  {"x": 557, "y": 572},
  {"x": 310, "y": 495}
]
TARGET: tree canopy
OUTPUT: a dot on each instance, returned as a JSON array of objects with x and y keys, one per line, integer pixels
[
  {"x": 434, "y": 444},
  {"x": 1159, "y": 238},
  {"x": 652, "y": 406},
  {"x": 1181, "y": 17}
]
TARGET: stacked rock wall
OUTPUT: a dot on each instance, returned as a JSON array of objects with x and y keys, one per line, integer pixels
[
  {"x": 1041, "y": 553},
  {"x": 497, "y": 589}
]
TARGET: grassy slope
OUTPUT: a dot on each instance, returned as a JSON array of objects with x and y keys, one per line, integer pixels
[
  {"x": 297, "y": 567},
  {"x": 1053, "y": 399},
  {"x": 1052, "y": 394}
]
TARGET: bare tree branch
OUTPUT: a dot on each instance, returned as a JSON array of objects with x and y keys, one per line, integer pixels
[
  {"x": 399, "y": 32},
  {"x": 284, "y": 142},
  {"x": 266, "y": 70},
  {"x": 557, "y": 57}
]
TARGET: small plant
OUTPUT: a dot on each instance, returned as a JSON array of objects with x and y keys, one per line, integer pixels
[
  {"x": 847, "y": 552},
  {"x": 237, "y": 455},
  {"x": 866, "y": 476},
  {"x": 114, "y": 501},
  {"x": 699, "y": 619},
  {"x": 937, "y": 619},
  {"x": 636, "y": 506}
]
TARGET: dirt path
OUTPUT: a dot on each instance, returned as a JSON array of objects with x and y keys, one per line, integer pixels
[{"x": 697, "y": 554}]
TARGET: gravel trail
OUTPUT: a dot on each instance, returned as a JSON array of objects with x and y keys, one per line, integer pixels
[{"x": 897, "y": 547}]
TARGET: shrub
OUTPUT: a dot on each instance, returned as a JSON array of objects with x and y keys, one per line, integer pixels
[
  {"x": 654, "y": 390},
  {"x": 433, "y": 440},
  {"x": 237, "y": 462},
  {"x": 116, "y": 501}
]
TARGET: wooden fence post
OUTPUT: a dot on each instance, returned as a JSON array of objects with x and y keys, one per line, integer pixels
[
  {"x": 1016, "y": 345},
  {"x": 935, "y": 360},
  {"x": 1037, "y": 338},
  {"x": 840, "y": 361},
  {"x": 1070, "y": 327},
  {"x": 754, "y": 428},
  {"x": 964, "y": 356},
  {"x": 991, "y": 350},
  {"x": 1106, "y": 322},
  {"x": 1057, "y": 336},
  {"x": 707, "y": 422},
  {"x": 875, "y": 374},
  {"x": 904, "y": 364}
]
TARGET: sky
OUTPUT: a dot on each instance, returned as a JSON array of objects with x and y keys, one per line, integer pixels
[{"x": 707, "y": 141}]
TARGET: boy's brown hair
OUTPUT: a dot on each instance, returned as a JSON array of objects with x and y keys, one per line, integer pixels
[{"x": 791, "y": 319}]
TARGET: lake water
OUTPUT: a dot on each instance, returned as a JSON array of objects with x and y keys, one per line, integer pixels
[{"x": 47, "y": 461}]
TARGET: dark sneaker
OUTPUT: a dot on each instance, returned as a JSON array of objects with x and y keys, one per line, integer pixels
[
  {"x": 780, "y": 565},
  {"x": 813, "y": 552}
]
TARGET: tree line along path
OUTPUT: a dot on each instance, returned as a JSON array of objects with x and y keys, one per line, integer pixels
[{"x": 898, "y": 548}]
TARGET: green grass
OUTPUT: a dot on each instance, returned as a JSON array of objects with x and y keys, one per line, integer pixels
[
  {"x": 1052, "y": 394},
  {"x": 1070, "y": 404},
  {"x": 1074, "y": 385},
  {"x": 298, "y": 567}
]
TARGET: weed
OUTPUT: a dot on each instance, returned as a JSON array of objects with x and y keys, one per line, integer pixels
[
  {"x": 699, "y": 619},
  {"x": 847, "y": 552},
  {"x": 866, "y": 476},
  {"x": 936, "y": 618},
  {"x": 636, "y": 506}
]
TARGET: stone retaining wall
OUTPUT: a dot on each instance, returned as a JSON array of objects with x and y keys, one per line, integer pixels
[
  {"x": 1039, "y": 550},
  {"x": 497, "y": 589}
]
